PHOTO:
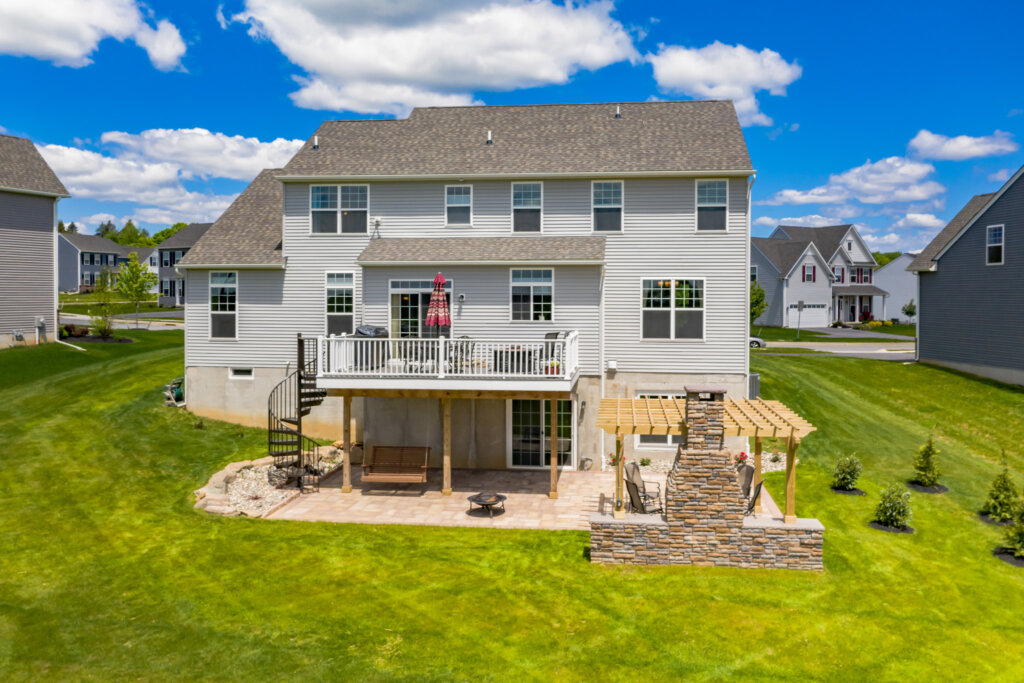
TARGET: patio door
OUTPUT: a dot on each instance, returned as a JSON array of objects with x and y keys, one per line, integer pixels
[
  {"x": 410, "y": 300},
  {"x": 529, "y": 425}
]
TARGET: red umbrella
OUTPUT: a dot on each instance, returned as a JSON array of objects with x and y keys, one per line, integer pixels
[{"x": 437, "y": 312}]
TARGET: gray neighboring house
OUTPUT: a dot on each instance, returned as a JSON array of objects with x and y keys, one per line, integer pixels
[
  {"x": 29, "y": 192},
  {"x": 830, "y": 269},
  {"x": 970, "y": 282},
  {"x": 81, "y": 258},
  {"x": 170, "y": 283},
  {"x": 901, "y": 284}
]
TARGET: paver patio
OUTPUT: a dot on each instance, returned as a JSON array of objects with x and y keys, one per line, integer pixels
[{"x": 528, "y": 507}]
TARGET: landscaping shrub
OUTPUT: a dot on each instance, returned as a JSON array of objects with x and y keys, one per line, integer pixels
[
  {"x": 1003, "y": 503},
  {"x": 894, "y": 508},
  {"x": 1013, "y": 539},
  {"x": 645, "y": 462},
  {"x": 926, "y": 467},
  {"x": 847, "y": 471}
]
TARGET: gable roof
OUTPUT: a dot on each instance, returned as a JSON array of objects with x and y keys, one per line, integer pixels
[
  {"x": 186, "y": 237},
  {"x": 95, "y": 243},
  {"x": 926, "y": 259},
  {"x": 649, "y": 137},
  {"x": 828, "y": 239},
  {"x": 446, "y": 251},
  {"x": 248, "y": 232},
  {"x": 22, "y": 168},
  {"x": 785, "y": 254}
]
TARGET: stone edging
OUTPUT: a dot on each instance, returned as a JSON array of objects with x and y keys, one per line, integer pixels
[{"x": 213, "y": 497}]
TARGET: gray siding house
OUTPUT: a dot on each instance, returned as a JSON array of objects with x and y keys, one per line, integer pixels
[
  {"x": 971, "y": 302},
  {"x": 589, "y": 251},
  {"x": 29, "y": 192},
  {"x": 830, "y": 269},
  {"x": 901, "y": 285},
  {"x": 171, "y": 284},
  {"x": 81, "y": 258}
]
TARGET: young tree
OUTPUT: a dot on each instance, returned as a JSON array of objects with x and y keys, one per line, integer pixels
[
  {"x": 102, "y": 309},
  {"x": 926, "y": 469},
  {"x": 1002, "y": 503},
  {"x": 910, "y": 309},
  {"x": 758, "y": 303},
  {"x": 134, "y": 282}
]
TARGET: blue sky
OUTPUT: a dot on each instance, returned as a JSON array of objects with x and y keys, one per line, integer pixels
[{"x": 888, "y": 115}]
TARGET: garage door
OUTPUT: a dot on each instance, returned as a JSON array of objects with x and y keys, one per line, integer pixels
[{"x": 813, "y": 315}]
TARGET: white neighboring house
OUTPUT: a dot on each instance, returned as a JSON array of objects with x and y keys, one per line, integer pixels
[
  {"x": 590, "y": 250},
  {"x": 900, "y": 283},
  {"x": 788, "y": 265}
]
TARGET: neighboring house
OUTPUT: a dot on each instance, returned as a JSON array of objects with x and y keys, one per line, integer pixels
[
  {"x": 81, "y": 258},
  {"x": 830, "y": 269},
  {"x": 171, "y": 283},
  {"x": 901, "y": 285},
  {"x": 29, "y": 192},
  {"x": 590, "y": 250},
  {"x": 970, "y": 282}
]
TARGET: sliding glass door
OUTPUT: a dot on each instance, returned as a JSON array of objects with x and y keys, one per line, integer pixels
[{"x": 530, "y": 424}]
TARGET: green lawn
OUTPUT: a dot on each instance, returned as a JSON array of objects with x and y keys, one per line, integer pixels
[
  {"x": 905, "y": 330},
  {"x": 87, "y": 298},
  {"x": 788, "y": 334},
  {"x": 116, "y": 309},
  {"x": 107, "y": 572}
]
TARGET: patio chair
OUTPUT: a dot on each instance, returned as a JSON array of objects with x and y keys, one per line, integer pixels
[
  {"x": 745, "y": 474},
  {"x": 462, "y": 354},
  {"x": 638, "y": 503},
  {"x": 649, "y": 492},
  {"x": 753, "y": 499}
]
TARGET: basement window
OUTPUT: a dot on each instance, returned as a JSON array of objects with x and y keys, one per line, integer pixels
[{"x": 241, "y": 373}]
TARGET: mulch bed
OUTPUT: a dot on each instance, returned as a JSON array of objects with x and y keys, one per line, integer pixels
[
  {"x": 1006, "y": 557},
  {"x": 848, "y": 492},
  {"x": 891, "y": 529},
  {"x": 93, "y": 339},
  {"x": 938, "y": 488},
  {"x": 988, "y": 520}
]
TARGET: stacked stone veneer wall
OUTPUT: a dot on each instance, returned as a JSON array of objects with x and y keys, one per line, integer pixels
[{"x": 704, "y": 522}]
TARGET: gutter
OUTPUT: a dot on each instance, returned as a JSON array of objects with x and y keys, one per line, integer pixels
[
  {"x": 495, "y": 262},
  {"x": 504, "y": 176},
  {"x": 237, "y": 266},
  {"x": 18, "y": 190}
]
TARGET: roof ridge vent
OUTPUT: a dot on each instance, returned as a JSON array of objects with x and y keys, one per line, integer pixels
[
  {"x": 618, "y": 111},
  {"x": 489, "y": 140}
]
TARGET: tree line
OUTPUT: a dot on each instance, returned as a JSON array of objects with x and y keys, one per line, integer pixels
[{"x": 130, "y": 235}]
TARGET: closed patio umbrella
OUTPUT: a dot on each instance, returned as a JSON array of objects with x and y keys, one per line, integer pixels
[{"x": 438, "y": 313}]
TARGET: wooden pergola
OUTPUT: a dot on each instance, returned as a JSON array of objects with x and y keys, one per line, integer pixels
[{"x": 754, "y": 418}]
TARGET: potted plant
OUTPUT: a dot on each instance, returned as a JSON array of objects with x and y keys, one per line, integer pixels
[
  {"x": 741, "y": 459},
  {"x": 553, "y": 368}
]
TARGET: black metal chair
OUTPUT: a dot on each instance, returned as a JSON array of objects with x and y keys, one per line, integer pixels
[
  {"x": 753, "y": 499},
  {"x": 640, "y": 504}
]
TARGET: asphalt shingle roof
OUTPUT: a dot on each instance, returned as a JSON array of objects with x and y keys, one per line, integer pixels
[
  {"x": 827, "y": 239},
  {"x": 186, "y": 237},
  {"x": 96, "y": 243},
  {"x": 532, "y": 139},
  {"x": 22, "y": 167},
  {"x": 926, "y": 259},
  {"x": 782, "y": 253},
  {"x": 248, "y": 232},
  {"x": 441, "y": 250},
  {"x": 859, "y": 290}
]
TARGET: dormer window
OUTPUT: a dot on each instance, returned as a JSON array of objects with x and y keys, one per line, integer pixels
[{"x": 849, "y": 245}]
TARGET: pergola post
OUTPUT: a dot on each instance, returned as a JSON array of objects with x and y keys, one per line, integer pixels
[
  {"x": 553, "y": 410},
  {"x": 791, "y": 445},
  {"x": 757, "y": 474},
  {"x": 346, "y": 458},
  {"x": 620, "y": 509},
  {"x": 446, "y": 409}
]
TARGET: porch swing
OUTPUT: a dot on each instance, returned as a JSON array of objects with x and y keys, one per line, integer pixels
[{"x": 398, "y": 464}]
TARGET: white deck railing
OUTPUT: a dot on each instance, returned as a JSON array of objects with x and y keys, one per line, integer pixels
[{"x": 441, "y": 358}]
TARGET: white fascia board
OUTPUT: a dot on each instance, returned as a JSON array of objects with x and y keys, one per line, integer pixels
[
  {"x": 502, "y": 262},
  {"x": 459, "y": 177},
  {"x": 18, "y": 190}
]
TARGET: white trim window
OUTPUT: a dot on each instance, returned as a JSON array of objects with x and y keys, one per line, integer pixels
[
  {"x": 840, "y": 273},
  {"x": 660, "y": 440},
  {"x": 606, "y": 205},
  {"x": 223, "y": 305},
  {"x": 323, "y": 209},
  {"x": 712, "y": 204},
  {"x": 673, "y": 309},
  {"x": 532, "y": 294},
  {"x": 995, "y": 238},
  {"x": 240, "y": 373},
  {"x": 527, "y": 205},
  {"x": 810, "y": 273},
  {"x": 340, "y": 303},
  {"x": 753, "y": 273},
  {"x": 458, "y": 204}
]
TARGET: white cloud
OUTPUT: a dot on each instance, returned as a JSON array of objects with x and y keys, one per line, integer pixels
[
  {"x": 928, "y": 145},
  {"x": 89, "y": 174},
  {"x": 719, "y": 71},
  {"x": 887, "y": 240},
  {"x": 812, "y": 221},
  {"x": 221, "y": 19},
  {"x": 390, "y": 57},
  {"x": 1000, "y": 176},
  {"x": 894, "y": 179},
  {"x": 90, "y": 223},
  {"x": 918, "y": 220},
  {"x": 199, "y": 152},
  {"x": 67, "y": 32}
]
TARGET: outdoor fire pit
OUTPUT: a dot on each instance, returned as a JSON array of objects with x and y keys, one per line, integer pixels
[{"x": 487, "y": 501}]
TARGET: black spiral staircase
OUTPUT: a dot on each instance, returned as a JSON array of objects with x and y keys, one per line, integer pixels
[{"x": 292, "y": 399}]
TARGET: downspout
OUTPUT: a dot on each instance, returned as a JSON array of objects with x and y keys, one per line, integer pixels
[
  {"x": 599, "y": 456},
  {"x": 746, "y": 277}
]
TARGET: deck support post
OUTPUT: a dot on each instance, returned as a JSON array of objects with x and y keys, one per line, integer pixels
[
  {"x": 620, "y": 508},
  {"x": 553, "y": 452},
  {"x": 791, "y": 445},
  {"x": 446, "y": 410},
  {"x": 346, "y": 457},
  {"x": 757, "y": 473}
]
